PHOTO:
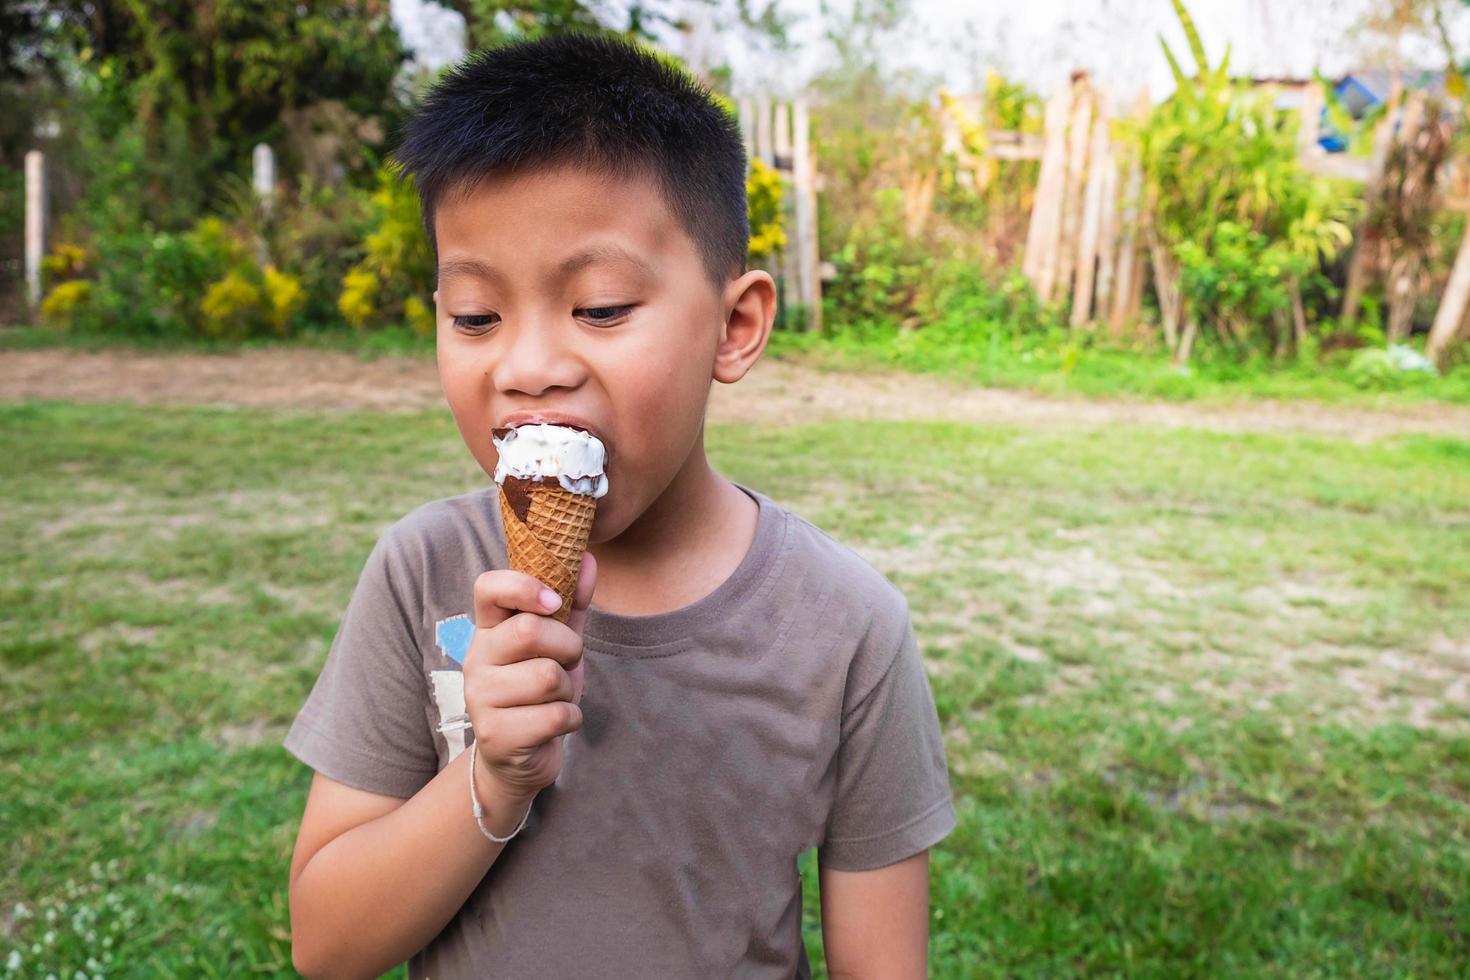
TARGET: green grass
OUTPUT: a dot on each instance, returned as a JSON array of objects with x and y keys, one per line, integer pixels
[
  {"x": 1204, "y": 695},
  {"x": 1062, "y": 367}
]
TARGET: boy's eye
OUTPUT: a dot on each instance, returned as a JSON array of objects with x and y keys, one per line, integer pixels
[
  {"x": 476, "y": 322},
  {"x": 603, "y": 314}
]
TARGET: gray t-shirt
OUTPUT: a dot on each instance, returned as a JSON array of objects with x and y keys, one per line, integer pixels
[{"x": 788, "y": 709}]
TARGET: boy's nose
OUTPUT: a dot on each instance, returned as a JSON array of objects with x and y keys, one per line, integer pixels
[{"x": 535, "y": 356}]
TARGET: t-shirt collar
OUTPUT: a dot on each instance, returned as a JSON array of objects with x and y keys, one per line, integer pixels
[{"x": 663, "y": 633}]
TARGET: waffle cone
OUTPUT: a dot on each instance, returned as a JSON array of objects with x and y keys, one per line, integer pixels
[{"x": 550, "y": 542}]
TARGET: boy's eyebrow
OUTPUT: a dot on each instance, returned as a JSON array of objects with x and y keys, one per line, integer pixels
[{"x": 475, "y": 269}]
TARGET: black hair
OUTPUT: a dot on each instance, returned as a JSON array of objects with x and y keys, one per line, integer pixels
[{"x": 592, "y": 101}]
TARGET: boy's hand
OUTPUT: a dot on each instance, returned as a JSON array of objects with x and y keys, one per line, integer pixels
[{"x": 523, "y": 677}]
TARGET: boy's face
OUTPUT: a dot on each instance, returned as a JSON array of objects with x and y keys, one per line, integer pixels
[{"x": 572, "y": 297}]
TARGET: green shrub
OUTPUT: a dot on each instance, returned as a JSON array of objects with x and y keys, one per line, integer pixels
[
  {"x": 58, "y": 309},
  {"x": 1230, "y": 199},
  {"x": 230, "y": 305},
  {"x": 202, "y": 283},
  {"x": 881, "y": 273},
  {"x": 315, "y": 234},
  {"x": 1392, "y": 367},
  {"x": 383, "y": 287},
  {"x": 284, "y": 297}
]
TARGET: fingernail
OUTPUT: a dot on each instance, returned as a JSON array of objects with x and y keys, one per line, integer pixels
[{"x": 550, "y": 601}]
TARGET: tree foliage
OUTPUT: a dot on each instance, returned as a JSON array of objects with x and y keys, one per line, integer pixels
[
  {"x": 1229, "y": 200},
  {"x": 197, "y": 83}
]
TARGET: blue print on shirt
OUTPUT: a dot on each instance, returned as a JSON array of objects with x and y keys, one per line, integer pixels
[{"x": 452, "y": 635}]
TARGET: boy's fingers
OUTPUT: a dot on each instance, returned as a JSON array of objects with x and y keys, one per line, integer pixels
[
  {"x": 537, "y": 681},
  {"x": 528, "y": 726},
  {"x": 501, "y": 593},
  {"x": 582, "y": 598},
  {"x": 525, "y": 636}
]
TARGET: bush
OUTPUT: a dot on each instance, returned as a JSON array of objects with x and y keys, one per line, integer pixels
[
  {"x": 315, "y": 234},
  {"x": 203, "y": 282},
  {"x": 384, "y": 286},
  {"x": 881, "y": 273},
  {"x": 1396, "y": 366},
  {"x": 1231, "y": 202},
  {"x": 58, "y": 309},
  {"x": 970, "y": 319},
  {"x": 230, "y": 305}
]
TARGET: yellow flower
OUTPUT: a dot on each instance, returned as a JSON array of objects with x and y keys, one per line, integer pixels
[
  {"x": 230, "y": 305},
  {"x": 286, "y": 296},
  {"x": 763, "y": 190},
  {"x": 58, "y": 306},
  {"x": 359, "y": 291},
  {"x": 420, "y": 317}
]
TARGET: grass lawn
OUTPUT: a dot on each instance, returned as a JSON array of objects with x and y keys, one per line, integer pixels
[
  {"x": 1060, "y": 367},
  {"x": 1204, "y": 695}
]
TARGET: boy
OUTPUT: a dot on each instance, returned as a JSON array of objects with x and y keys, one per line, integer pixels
[{"x": 745, "y": 688}]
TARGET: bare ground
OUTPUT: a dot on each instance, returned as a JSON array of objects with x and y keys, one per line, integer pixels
[{"x": 776, "y": 393}]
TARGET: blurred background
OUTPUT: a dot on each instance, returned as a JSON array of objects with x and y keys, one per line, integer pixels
[{"x": 1166, "y": 302}]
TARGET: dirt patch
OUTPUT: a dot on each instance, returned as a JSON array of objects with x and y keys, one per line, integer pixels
[
  {"x": 775, "y": 393},
  {"x": 269, "y": 378}
]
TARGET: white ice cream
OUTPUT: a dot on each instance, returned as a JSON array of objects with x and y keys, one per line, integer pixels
[{"x": 574, "y": 457}]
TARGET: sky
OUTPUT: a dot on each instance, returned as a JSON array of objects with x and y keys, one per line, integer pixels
[{"x": 1037, "y": 41}]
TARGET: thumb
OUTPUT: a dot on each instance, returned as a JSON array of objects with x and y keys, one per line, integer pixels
[
  {"x": 582, "y": 597},
  {"x": 586, "y": 582}
]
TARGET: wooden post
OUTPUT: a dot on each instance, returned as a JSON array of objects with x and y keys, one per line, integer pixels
[
  {"x": 805, "y": 174},
  {"x": 781, "y": 145},
  {"x": 763, "y": 148},
  {"x": 263, "y": 180},
  {"x": 1128, "y": 294},
  {"x": 1128, "y": 266},
  {"x": 1166, "y": 286},
  {"x": 918, "y": 198},
  {"x": 1080, "y": 130},
  {"x": 1309, "y": 128},
  {"x": 37, "y": 218},
  {"x": 746, "y": 109},
  {"x": 1091, "y": 219},
  {"x": 1107, "y": 260},
  {"x": 1135, "y": 299},
  {"x": 781, "y": 156},
  {"x": 1452, "y": 306},
  {"x": 1045, "y": 223},
  {"x": 263, "y": 174}
]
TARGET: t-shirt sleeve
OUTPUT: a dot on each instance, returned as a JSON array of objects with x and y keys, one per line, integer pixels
[
  {"x": 364, "y": 722},
  {"x": 892, "y": 797}
]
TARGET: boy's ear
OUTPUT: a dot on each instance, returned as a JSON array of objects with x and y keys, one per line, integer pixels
[{"x": 751, "y": 301}]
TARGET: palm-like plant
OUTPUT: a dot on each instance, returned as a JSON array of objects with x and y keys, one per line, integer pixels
[{"x": 1218, "y": 154}]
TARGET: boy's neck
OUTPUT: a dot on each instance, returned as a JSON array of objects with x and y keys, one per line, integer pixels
[{"x": 683, "y": 546}]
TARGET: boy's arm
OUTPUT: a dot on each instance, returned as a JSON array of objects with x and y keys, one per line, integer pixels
[
  {"x": 375, "y": 878},
  {"x": 876, "y": 923}
]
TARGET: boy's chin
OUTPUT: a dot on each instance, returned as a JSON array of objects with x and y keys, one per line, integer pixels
[{"x": 608, "y": 524}]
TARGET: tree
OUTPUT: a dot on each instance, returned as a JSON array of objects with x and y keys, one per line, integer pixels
[
  {"x": 492, "y": 22},
  {"x": 195, "y": 84}
]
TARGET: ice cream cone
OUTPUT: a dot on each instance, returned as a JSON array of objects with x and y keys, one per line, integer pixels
[{"x": 546, "y": 531}]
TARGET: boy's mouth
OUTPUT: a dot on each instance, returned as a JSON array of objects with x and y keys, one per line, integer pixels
[{"x": 517, "y": 419}]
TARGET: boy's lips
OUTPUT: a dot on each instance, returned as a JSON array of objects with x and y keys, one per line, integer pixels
[{"x": 517, "y": 419}]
